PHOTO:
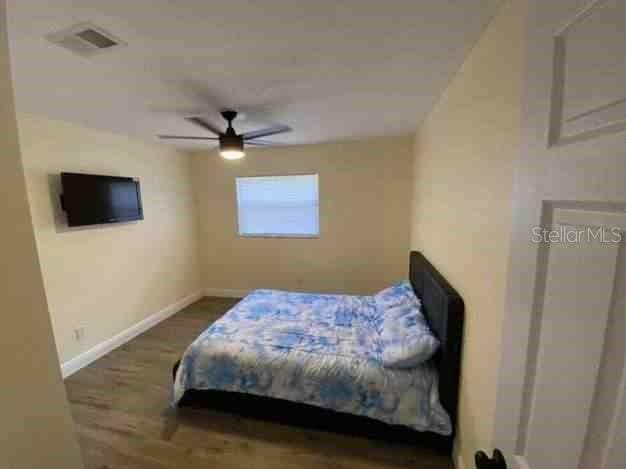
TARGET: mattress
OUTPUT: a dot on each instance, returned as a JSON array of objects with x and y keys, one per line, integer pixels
[{"x": 322, "y": 350}]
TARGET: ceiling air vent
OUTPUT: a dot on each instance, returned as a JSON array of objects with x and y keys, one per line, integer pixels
[{"x": 85, "y": 39}]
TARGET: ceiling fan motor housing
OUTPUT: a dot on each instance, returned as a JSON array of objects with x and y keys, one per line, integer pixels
[{"x": 231, "y": 142}]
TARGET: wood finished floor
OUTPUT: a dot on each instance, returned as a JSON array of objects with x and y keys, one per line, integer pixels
[{"x": 120, "y": 407}]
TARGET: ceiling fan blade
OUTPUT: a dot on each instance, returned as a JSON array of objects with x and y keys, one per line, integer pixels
[
  {"x": 199, "y": 121},
  {"x": 263, "y": 143},
  {"x": 279, "y": 129},
  {"x": 181, "y": 137}
]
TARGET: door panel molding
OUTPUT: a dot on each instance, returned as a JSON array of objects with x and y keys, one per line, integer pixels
[
  {"x": 590, "y": 218},
  {"x": 577, "y": 113},
  {"x": 562, "y": 325},
  {"x": 569, "y": 354},
  {"x": 615, "y": 451}
]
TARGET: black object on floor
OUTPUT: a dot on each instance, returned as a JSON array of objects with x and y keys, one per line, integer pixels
[{"x": 485, "y": 462}]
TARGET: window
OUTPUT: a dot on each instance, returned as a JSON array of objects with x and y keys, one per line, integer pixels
[{"x": 281, "y": 206}]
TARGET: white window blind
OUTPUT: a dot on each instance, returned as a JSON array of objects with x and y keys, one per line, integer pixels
[{"x": 282, "y": 206}]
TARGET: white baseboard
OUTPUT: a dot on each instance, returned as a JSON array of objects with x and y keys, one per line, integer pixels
[
  {"x": 72, "y": 366},
  {"x": 225, "y": 293}
]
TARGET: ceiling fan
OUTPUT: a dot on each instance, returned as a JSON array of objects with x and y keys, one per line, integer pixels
[{"x": 231, "y": 143}]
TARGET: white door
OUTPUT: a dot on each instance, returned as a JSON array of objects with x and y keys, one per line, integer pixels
[{"x": 562, "y": 379}]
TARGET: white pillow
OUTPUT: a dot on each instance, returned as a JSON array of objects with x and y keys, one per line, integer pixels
[
  {"x": 397, "y": 294},
  {"x": 406, "y": 338}
]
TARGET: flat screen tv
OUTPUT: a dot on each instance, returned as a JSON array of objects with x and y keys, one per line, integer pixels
[{"x": 90, "y": 199}]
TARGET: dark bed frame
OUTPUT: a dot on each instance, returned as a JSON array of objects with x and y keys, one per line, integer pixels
[{"x": 444, "y": 309}]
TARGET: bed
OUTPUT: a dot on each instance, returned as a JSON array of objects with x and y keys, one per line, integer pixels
[{"x": 316, "y": 358}]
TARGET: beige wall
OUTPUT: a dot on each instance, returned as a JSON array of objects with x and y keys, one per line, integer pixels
[
  {"x": 465, "y": 154},
  {"x": 108, "y": 278},
  {"x": 33, "y": 405},
  {"x": 364, "y": 218}
]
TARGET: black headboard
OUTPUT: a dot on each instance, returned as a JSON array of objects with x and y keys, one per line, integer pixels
[{"x": 444, "y": 309}]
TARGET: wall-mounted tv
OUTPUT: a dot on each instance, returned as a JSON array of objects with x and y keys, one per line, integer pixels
[{"x": 90, "y": 199}]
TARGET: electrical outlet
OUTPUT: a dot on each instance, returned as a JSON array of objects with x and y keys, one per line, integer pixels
[{"x": 79, "y": 333}]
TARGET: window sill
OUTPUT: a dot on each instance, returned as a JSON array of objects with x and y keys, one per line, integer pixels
[{"x": 288, "y": 236}]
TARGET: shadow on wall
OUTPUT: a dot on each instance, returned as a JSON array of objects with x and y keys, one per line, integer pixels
[{"x": 60, "y": 219}]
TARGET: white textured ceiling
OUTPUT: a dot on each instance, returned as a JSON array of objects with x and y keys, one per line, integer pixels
[{"x": 330, "y": 69}]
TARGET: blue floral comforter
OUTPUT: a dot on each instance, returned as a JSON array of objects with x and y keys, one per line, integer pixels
[{"x": 322, "y": 350}]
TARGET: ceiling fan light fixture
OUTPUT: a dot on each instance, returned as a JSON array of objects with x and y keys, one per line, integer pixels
[
  {"x": 231, "y": 147},
  {"x": 232, "y": 154}
]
